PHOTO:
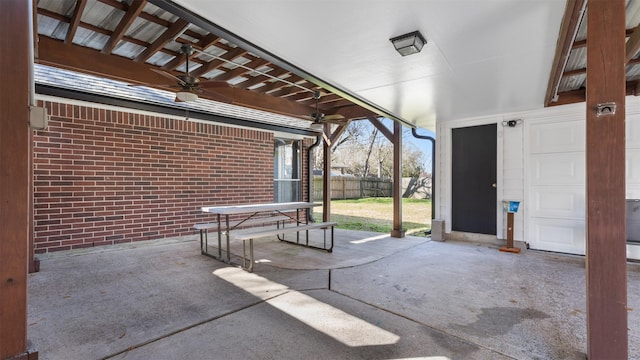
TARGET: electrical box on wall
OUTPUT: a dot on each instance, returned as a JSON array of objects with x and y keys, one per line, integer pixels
[{"x": 38, "y": 118}]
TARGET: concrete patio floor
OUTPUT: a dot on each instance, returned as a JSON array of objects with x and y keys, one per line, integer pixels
[{"x": 374, "y": 297}]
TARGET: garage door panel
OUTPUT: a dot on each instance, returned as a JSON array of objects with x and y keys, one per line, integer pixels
[
  {"x": 633, "y": 131},
  {"x": 633, "y": 166},
  {"x": 633, "y": 252},
  {"x": 633, "y": 191},
  {"x": 556, "y": 183},
  {"x": 557, "y": 137},
  {"x": 560, "y": 235},
  {"x": 558, "y": 169},
  {"x": 558, "y": 201}
]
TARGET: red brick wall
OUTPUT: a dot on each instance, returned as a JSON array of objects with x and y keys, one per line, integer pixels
[{"x": 105, "y": 177}]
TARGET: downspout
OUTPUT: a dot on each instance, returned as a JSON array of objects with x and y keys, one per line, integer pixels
[
  {"x": 310, "y": 217},
  {"x": 433, "y": 169}
]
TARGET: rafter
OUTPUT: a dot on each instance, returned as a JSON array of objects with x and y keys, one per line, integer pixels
[
  {"x": 93, "y": 28},
  {"x": 267, "y": 93},
  {"x": 273, "y": 86},
  {"x": 73, "y": 57},
  {"x": 75, "y": 20},
  {"x": 570, "y": 22},
  {"x": 579, "y": 95},
  {"x": 216, "y": 63},
  {"x": 205, "y": 42},
  {"x": 201, "y": 45},
  {"x": 132, "y": 13},
  {"x": 261, "y": 78},
  {"x": 338, "y": 132},
  {"x": 254, "y": 100},
  {"x": 239, "y": 71},
  {"x": 633, "y": 44},
  {"x": 162, "y": 40},
  {"x": 290, "y": 91},
  {"x": 380, "y": 126}
]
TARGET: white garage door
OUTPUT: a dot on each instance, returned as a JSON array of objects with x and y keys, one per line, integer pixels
[
  {"x": 556, "y": 183},
  {"x": 556, "y": 175}
]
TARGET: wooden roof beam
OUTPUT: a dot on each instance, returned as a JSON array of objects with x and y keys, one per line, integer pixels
[
  {"x": 216, "y": 63},
  {"x": 171, "y": 32},
  {"x": 132, "y": 13},
  {"x": 239, "y": 71},
  {"x": 633, "y": 44},
  {"x": 570, "y": 22},
  {"x": 383, "y": 129},
  {"x": 261, "y": 79},
  {"x": 73, "y": 57},
  {"x": 75, "y": 20},
  {"x": 579, "y": 95}
]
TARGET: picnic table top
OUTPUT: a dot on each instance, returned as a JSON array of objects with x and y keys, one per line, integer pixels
[{"x": 252, "y": 208}]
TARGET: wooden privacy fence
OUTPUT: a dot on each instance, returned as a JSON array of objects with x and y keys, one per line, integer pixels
[{"x": 353, "y": 187}]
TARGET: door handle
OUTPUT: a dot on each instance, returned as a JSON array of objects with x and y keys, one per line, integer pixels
[{"x": 494, "y": 185}]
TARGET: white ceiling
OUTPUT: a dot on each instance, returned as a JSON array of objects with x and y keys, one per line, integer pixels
[{"x": 483, "y": 56}]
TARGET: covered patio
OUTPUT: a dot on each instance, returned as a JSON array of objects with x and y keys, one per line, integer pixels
[
  {"x": 373, "y": 298},
  {"x": 85, "y": 181}
]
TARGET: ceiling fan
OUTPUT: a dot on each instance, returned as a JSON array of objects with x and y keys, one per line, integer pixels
[
  {"x": 319, "y": 118},
  {"x": 190, "y": 86}
]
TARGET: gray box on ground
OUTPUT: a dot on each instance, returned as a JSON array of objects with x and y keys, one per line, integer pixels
[{"x": 437, "y": 230}]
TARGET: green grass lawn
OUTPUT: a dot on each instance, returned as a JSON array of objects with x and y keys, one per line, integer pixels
[{"x": 376, "y": 214}]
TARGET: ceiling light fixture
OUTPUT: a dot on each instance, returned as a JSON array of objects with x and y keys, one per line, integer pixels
[
  {"x": 186, "y": 96},
  {"x": 408, "y": 44}
]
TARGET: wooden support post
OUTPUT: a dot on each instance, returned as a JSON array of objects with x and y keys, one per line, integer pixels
[
  {"x": 510, "y": 229},
  {"x": 607, "y": 334},
  {"x": 15, "y": 18},
  {"x": 510, "y": 247},
  {"x": 326, "y": 177},
  {"x": 397, "y": 230}
]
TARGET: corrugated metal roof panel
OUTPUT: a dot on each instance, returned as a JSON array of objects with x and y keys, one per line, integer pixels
[
  {"x": 633, "y": 13},
  {"x": 160, "y": 59},
  {"x": 569, "y": 83},
  {"x": 156, "y": 11},
  {"x": 58, "y": 6},
  {"x": 577, "y": 59},
  {"x": 102, "y": 15},
  {"x": 633, "y": 72},
  {"x": 214, "y": 73},
  {"x": 90, "y": 39},
  {"x": 127, "y": 49},
  {"x": 145, "y": 30},
  {"x": 47, "y": 26}
]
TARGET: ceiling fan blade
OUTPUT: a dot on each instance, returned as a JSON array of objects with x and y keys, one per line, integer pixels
[
  {"x": 157, "y": 85},
  {"x": 167, "y": 75},
  {"x": 215, "y": 96},
  {"x": 213, "y": 84},
  {"x": 337, "y": 121},
  {"x": 333, "y": 117}
]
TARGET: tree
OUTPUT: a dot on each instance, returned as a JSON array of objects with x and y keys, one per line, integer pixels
[{"x": 364, "y": 151}]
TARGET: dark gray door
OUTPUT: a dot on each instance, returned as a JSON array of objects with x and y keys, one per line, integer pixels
[{"x": 473, "y": 187}]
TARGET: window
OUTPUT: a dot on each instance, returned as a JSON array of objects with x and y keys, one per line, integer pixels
[{"x": 286, "y": 170}]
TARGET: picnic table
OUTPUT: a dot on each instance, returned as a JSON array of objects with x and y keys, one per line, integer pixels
[{"x": 261, "y": 218}]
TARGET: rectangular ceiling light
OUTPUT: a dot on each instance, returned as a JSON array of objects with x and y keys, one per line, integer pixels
[{"x": 408, "y": 44}]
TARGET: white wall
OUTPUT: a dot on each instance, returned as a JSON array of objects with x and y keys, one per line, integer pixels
[{"x": 541, "y": 163}]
